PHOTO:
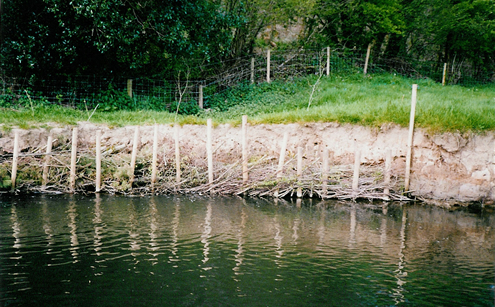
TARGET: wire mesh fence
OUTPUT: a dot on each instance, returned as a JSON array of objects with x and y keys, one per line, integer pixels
[{"x": 81, "y": 91}]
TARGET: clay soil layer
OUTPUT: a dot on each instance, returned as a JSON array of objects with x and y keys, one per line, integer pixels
[{"x": 445, "y": 167}]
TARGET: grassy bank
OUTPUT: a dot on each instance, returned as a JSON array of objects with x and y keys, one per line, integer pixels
[{"x": 372, "y": 101}]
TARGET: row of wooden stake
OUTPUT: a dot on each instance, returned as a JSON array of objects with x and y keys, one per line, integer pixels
[{"x": 209, "y": 151}]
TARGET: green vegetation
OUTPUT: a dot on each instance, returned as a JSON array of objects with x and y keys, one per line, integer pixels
[{"x": 372, "y": 101}]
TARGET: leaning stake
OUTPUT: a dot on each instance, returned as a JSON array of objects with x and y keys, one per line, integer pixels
[
  {"x": 47, "y": 162},
  {"x": 14, "y": 161}
]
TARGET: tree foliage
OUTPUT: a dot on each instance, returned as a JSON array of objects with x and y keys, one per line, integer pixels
[
  {"x": 152, "y": 37},
  {"x": 111, "y": 36}
]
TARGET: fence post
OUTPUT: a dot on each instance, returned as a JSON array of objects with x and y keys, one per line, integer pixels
[
  {"x": 47, "y": 162},
  {"x": 444, "y": 73},
  {"x": 252, "y": 70},
  {"x": 324, "y": 173},
  {"x": 155, "y": 158},
  {"x": 134, "y": 155},
  {"x": 177, "y": 156},
  {"x": 328, "y": 61},
  {"x": 98, "y": 162},
  {"x": 129, "y": 87},
  {"x": 14, "y": 161},
  {"x": 209, "y": 149},
  {"x": 388, "y": 170},
  {"x": 73, "y": 160},
  {"x": 245, "y": 175},
  {"x": 200, "y": 103},
  {"x": 357, "y": 164},
  {"x": 299, "y": 170},
  {"x": 281, "y": 161},
  {"x": 367, "y": 59},
  {"x": 268, "y": 66},
  {"x": 410, "y": 138}
]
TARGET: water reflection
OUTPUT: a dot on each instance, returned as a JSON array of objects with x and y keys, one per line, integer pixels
[
  {"x": 74, "y": 242},
  {"x": 400, "y": 273},
  {"x": 174, "y": 257},
  {"x": 153, "y": 233},
  {"x": 244, "y": 252},
  {"x": 206, "y": 235},
  {"x": 98, "y": 226}
]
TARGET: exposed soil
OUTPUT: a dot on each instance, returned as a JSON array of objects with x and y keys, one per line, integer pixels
[{"x": 446, "y": 168}]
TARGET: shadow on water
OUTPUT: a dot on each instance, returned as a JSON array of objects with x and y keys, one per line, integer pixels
[{"x": 195, "y": 251}]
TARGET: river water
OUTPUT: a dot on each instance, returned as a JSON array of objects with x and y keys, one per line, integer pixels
[{"x": 194, "y": 251}]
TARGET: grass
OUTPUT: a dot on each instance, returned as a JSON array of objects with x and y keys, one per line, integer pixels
[{"x": 371, "y": 101}]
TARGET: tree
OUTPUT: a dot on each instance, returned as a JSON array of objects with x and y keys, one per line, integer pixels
[{"x": 111, "y": 37}]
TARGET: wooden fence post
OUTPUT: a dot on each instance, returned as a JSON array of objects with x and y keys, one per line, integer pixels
[
  {"x": 388, "y": 170},
  {"x": 367, "y": 59},
  {"x": 410, "y": 138},
  {"x": 200, "y": 100},
  {"x": 324, "y": 173},
  {"x": 129, "y": 87},
  {"x": 13, "y": 176},
  {"x": 281, "y": 160},
  {"x": 328, "y": 61},
  {"x": 444, "y": 75},
  {"x": 73, "y": 160},
  {"x": 47, "y": 162},
  {"x": 299, "y": 170},
  {"x": 134, "y": 155},
  {"x": 209, "y": 150},
  {"x": 245, "y": 175},
  {"x": 268, "y": 66},
  {"x": 177, "y": 156},
  {"x": 357, "y": 164},
  {"x": 252, "y": 70},
  {"x": 98, "y": 162},
  {"x": 155, "y": 158}
]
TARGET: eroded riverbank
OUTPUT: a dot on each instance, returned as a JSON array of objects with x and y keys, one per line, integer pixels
[{"x": 446, "y": 168}]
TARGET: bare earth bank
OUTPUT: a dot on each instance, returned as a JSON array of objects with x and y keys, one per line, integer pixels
[{"x": 446, "y": 168}]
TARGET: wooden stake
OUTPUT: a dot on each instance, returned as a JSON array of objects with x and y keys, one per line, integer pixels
[
  {"x": 324, "y": 172},
  {"x": 129, "y": 87},
  {"x": 47, "y": 162},
  {"x": 268, "y": 66},
  {"x": 13, "y": 177},
  {"x": 177, "y": 155},
  {"x": 98, "y": 162},
  {"x": 252, "y": 70},
  {"x": 73, "y": 160},
  {"x": 134, "y": 154},
  {"x": 281, "y": 160},
  {"x": 299, "y": 170},
  {"x": 388, "y": 170},
  {"x": 410, "y": 138},
  {"x": 245, "y": 175},
  {"x": 200, "y": 100},
  {"x": 155, "y": 158},
  {"x": 328, "y": 61},
  {"x": 209, "y": 150},
  {"x": 444, "y": 73},
  {"x": 357, "y": 164},
  {"x": 367, "y": 59}
]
